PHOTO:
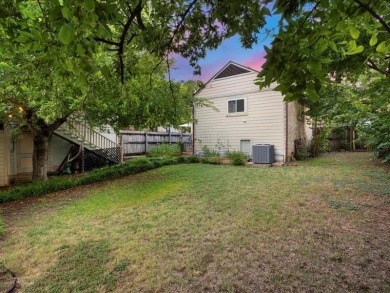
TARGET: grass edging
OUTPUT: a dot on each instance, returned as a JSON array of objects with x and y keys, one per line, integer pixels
[{"x": 61, "y": 183}]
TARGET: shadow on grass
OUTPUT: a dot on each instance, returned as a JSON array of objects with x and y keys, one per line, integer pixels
[{"x": 81, "y": 268}]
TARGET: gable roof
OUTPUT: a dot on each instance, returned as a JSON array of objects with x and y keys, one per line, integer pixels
[{"x": 231, "y": 69}]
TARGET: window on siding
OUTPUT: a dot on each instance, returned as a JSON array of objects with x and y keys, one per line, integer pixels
[{"x": 236, "y": 106}]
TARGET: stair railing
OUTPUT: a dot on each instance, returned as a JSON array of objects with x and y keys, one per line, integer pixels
[{"x": 77, "y": 128}]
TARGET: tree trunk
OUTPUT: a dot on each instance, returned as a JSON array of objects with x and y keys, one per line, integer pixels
[
  {"x": 41, "y": 132},
  {"x": 41, "y": 143}
]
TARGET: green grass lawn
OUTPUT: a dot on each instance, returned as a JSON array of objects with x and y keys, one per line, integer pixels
[{"x": 321, "y": 226}]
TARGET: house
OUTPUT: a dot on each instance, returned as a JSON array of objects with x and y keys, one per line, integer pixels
[
  {"x": 99, "y": 148},
  {"x": 247, "y": 116}
]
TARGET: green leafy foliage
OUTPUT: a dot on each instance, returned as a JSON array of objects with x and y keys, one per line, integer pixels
[
  {"x": 213, "y": 160},
  {"x": 363, "y": 106},
  {"x": 206, "y": 152},
  {"x": 108, "y": 59},
  {"x": 333, "y": 55},
  {"x": 165, "y": 150},
  {"x": 66, "y": 34},
  {"x": 320, "y": 42},
  {"x": 193, "y": 159},
  {"x": 60, "y": 183},
  {"x": 302, "y": 152},
  {"x": 236, "y": 158}
]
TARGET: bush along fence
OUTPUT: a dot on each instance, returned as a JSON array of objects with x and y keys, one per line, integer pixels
[
  {"x": 141, "y": 142},
  {"x": 61, "y": 183}
]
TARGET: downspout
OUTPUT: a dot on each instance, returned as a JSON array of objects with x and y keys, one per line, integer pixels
[
  {"x": 193, "y": 129},
  {"x": 286, "y": 155}
]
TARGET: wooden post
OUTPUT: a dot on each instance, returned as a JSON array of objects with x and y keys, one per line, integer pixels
[
  {"x": 146, "y": 142},
  {"x": 169, "y": 134},
  {"x": 120, "y": 147}
]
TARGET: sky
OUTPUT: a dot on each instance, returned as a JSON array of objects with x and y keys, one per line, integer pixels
[{"x": 229, "y": 50}]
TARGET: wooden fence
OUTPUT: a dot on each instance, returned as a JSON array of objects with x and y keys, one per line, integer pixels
[{"x": 139, "y": 142}]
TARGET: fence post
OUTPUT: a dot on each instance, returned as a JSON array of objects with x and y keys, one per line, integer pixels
[{"x": 146, "y": 142}]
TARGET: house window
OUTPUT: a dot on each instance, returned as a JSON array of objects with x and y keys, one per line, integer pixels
[{"x": 236, "y": 106}]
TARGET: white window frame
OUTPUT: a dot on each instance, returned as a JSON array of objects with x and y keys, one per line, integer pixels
[
  {"x": 250, "y": 146},
  {"x": 236, "y": 113}
]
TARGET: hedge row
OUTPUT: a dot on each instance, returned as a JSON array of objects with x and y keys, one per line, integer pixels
[
  {"x": 98, "y": 175},
  {"x": 106, "y": 173}
]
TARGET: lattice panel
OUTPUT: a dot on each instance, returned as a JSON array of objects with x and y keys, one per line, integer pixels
[
  {"x": 101, "y": 157},
  {"x": 112, "y": 154}
]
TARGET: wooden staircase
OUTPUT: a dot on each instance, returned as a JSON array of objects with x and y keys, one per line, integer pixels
[{"x": 77, "y": 131}]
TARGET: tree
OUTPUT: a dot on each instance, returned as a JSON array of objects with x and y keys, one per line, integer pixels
[
  {"x": 108, "y": 58},
  {"x": 335, "y": 57},
  {"x": 363, "y": 105},
  {"x": 320, "y": 42}
]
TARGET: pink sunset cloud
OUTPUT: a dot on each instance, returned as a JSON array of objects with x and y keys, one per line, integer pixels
[{"x": 254, "y": 61}]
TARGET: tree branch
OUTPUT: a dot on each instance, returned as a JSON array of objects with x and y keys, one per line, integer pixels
[
  {"x": 311, "y": 11},
  {"x": 58, "y": 122},
  {"x": 131, "y": 38},
  {"x": 139, "y": 21},
  {"x": 171, "y": 88},
  {"x": 137, "y": 10},
  {"x": 106, "y": 41},
  {"x": 374, "y": 14},
  {"x": 372, "y": 65},
  {"x": 154, "y": 69},
  {"x": 184, "y": 15}
]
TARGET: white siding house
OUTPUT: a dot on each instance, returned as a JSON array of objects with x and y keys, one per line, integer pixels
[{"x": 246, "y": 115}]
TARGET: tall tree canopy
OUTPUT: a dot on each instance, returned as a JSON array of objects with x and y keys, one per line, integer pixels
[
  {"x": 335, "y": 57},
  {"x": 108, "y": 58},
  {"x": 320, "y": 42}
]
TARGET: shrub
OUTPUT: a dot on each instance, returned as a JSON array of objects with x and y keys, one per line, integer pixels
[
  {"x": 236, "y": 158},
  {"x": 165, "y": 150},
  {"x": 193, "y": 159},
  {"x": 319, "y": 143},
  {"x": 182, "y": 160},
  {"x": 209, "y": 153},
  {"x": 181, "y": 146},
  {"x": 211, "y": 160},
  {"x": 97, "y": 175},
  {"x": 382, "y": 151},
  {"x": 302, "y": 152}
]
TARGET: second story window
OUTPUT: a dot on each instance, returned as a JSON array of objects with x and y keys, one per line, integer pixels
[{"x": 236, "y": 106}]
